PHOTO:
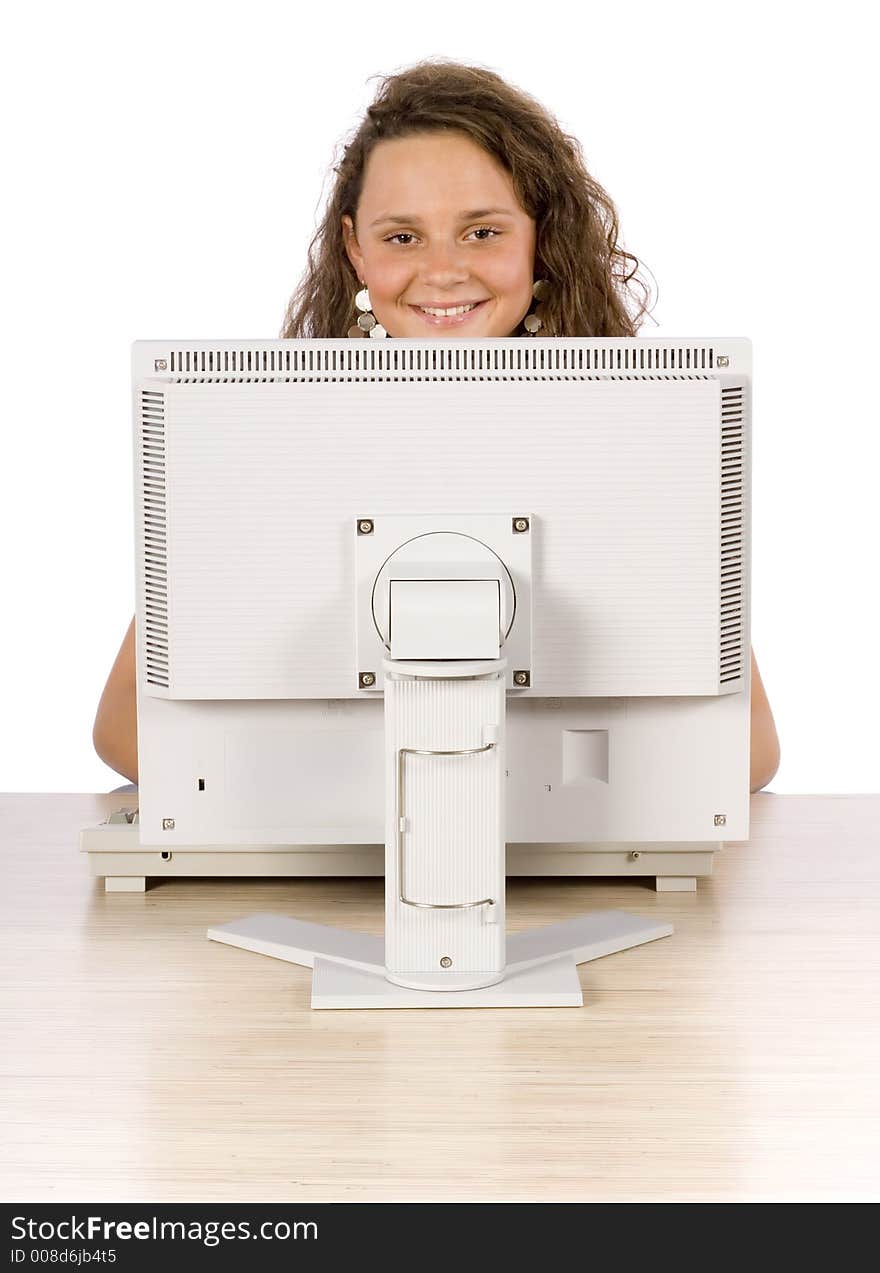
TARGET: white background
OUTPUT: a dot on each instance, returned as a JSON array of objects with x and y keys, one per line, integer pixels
[{"x": 164, "y": 167}]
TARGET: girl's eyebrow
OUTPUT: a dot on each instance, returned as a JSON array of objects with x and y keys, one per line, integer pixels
[{"x": 474, "y": 215}]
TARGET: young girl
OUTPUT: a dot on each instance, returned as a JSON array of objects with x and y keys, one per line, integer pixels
[{"x": 460, "y": 210}]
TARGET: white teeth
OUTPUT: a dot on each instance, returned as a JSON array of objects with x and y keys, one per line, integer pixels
[{"x": 447, "y": 313}]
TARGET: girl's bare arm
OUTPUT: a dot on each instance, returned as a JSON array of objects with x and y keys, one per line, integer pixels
[
  {"x": 115, "y": 730},
  {"x": 764, "y": 740}
]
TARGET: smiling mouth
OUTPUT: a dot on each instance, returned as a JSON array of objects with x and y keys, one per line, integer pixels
[{"x": 447, "y": 316}]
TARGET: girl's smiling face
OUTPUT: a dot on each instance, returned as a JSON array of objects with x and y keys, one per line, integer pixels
[{"x": 438, "y": 225}]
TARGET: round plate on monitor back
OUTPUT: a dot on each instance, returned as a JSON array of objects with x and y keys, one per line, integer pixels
[{"x": 442, "y": 555}]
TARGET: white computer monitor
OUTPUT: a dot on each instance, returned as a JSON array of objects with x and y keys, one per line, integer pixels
[{"x": 254, "y": 463}]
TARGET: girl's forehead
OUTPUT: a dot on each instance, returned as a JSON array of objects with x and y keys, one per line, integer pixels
[{"x": 441, "y": 170}]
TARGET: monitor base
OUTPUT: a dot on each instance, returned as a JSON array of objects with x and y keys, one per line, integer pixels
[{"x": 349, "y": 967}]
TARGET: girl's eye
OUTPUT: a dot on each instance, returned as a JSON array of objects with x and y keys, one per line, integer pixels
[{"x": 481, "y": 229}]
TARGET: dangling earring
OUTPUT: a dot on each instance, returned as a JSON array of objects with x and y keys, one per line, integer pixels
[
  {"x": 366, "y": 324},
  {"x": 535, "y": 321}
]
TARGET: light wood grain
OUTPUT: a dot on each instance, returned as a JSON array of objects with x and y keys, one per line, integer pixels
[{"x": 737, "y": 1059}]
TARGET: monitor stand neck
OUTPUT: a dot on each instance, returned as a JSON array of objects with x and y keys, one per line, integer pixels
[{"x": 444, "y": 824}]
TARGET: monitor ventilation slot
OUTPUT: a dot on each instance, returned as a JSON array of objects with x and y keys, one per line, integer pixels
[
  {"x": 732, "y": 654},
  {"x": 287, "y": 380},
  {"x": 380, "y": 361},
  {"x": 155, "y": 547}
]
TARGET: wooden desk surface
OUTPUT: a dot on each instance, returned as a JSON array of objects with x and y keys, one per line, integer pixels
[{"x": 737, "y": 1059}]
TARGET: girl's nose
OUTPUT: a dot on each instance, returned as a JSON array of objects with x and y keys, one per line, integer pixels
[{"x": 444, "y": 263}]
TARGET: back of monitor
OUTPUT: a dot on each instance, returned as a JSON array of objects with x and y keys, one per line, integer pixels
[{"x": 256, "y": 734}]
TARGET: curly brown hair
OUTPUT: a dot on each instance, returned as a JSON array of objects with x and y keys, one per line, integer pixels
[{"x": 576, "y": 223}]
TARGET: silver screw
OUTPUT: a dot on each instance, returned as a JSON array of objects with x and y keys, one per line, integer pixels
[
  {"x": 367, "y": 679},
  {"x": 721, "y": 819},
  {"x": 445, "y": 962},
  {"x": 160, "y": 364},
  {"x": 365, "y": 526},
  {"x": 520, "y": 524},
  {"x": 722, "y": 361},
  {"x": 167, "y": 824},
  {"x": 520, "y": 678},
  {"x": 635, "y": 855}
]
